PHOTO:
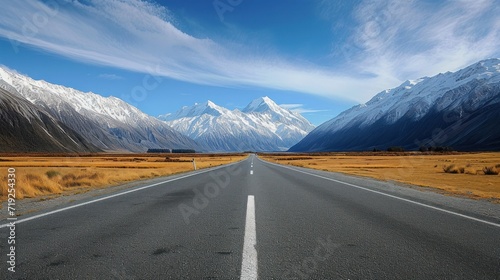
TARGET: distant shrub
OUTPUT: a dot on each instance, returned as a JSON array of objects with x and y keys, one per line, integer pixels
[
  {"x": 441, "y": 149},
  {"x": 490, "y": 171},
  {"x": 32, "y": 177},
  {"x": 294, "y": 158},
  {"x": 159, "y": 151},
  {"x": 450, "y": 169},
  {"x": 52, "y": 173},
  {"x": 435, "y": 149},
  {"x": 69, "y": 177},
  {"x": 376, "y": 150},
  {"x": 183, "y": 151},
  {"x": 169, "y": 159},
  {"x": 453, "y": 169},
  {"x": 395, "y": 149},
  {"x": 95, "y": 176},
  {"x": 472, "y": 172}
]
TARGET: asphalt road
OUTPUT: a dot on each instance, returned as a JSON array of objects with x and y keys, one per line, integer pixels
[{"x": 254, "y": 218}]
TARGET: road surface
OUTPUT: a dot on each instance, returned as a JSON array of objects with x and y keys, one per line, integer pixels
[{"x": 254, "y": 219}]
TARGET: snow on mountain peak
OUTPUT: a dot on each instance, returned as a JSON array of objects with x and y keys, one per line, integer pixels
[
  {"x": 198, "y": 109},
  {"x": 107, "y": 122},
  {"x": 262, "y": 104},
  {"x": 87, "y": 103},
  {"x": 415, "y": 96},
  {"x": 490, "y": 63},
  {"x": 4, "y": 75},
  {"x": 262, "y": 125},
  {"x": 462, "y": 106},
  {"x": 484, "y": 69}
]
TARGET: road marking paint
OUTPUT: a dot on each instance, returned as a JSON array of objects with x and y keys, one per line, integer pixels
[
  {"x": 392, "y": 196},
  {"x": 249, "y": 262},
  {"x": 251, "y": 172},
  {"x": 115, "y": 195}
]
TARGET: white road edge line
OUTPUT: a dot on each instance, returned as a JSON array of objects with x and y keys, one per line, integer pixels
[
  {"x": 113, "y": 195},
  {"x": 392, "y": 196},
  {"x": 249, "y": 260}
]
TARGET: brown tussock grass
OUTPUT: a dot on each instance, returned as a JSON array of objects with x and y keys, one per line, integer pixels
[
  {"x": 41, "y": 175},
  {"x": 454, "y": 173}
]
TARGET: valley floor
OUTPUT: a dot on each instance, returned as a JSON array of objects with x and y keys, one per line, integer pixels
[
  {"x": 45, "y": 176},
  {"x": 453, "y": 173}
]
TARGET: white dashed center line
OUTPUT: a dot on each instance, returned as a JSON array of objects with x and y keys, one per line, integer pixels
[{"x": 249, "y": 262}]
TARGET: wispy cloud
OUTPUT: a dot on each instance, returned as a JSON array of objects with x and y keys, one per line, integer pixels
[
  {"x": 139, "y": 36},
  {"x": 394, "y": 40},
  {"x": 110, "y": 77},
  {"x": 399, "y": 40},
  {"x": 299, "y": 108}
]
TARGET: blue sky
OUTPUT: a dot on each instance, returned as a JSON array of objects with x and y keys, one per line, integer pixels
[{"x": 317, "y": 57}]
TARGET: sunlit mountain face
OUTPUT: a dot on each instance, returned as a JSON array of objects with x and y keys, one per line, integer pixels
[{"x": 261, "y": 126}]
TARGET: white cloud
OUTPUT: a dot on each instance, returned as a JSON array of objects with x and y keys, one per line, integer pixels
[
  {"x": 299, "y": 108},
  {"x": 401, "y": 40},
  {"x": 110, "y": 77},
  {"x": 395, "y": 40},
  {"x": 139, "y": 36},
  {"x": 291, "y": 106}
]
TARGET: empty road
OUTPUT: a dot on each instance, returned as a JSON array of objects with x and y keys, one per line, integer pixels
[{"x": 255, "y": 219}]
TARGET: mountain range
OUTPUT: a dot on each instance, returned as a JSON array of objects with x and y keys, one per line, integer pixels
[
  {"x": 38, "y": 116},
  {"x": 459, "y": 110},
  {"x": 77, "y": 121},
  {"x": 261, "y": 126}
]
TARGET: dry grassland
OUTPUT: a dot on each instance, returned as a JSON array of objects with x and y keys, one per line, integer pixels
[
  {"x": 455, "y": 173},
  {"x": 40, "y": 175}
]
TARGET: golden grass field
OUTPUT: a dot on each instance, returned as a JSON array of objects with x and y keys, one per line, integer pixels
[
  {"x": 40, "y": 175},
  {"x": 421, "y": 169}
]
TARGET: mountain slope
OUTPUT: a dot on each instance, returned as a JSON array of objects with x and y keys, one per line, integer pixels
[
  {"x": 109, "y": 123},
  {"x": 458, "y": 109},
  {"x": 261, "y": 126},
  {"x": 26, "y": 128}
]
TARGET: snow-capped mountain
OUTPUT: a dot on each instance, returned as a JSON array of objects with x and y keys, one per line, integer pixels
[
  {"x": 261, "y": 126},
  {"x": 40, "y": 132},
  {"x": 108, "y": 123},
  {"x": 459, "y": 109}
]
